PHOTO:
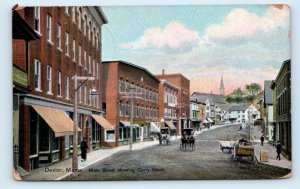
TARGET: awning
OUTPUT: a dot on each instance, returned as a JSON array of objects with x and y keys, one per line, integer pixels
[
  {"x": 208, "y": 119},
  {"x": 103, "y": 122},
  {"x": 205, "y": 121},
  {"x": 154, "y": 128},
  {"x": 170, "y": 125},
  {"x": 125, "y": 124},
  {"x": 57, "y": 119}
]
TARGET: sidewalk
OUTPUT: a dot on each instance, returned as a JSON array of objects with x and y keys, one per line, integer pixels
[
  {"x": 255, "y": 139},
  {"x": 59, "y": 171}
]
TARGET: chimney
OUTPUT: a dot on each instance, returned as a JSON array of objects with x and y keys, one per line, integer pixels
[{"x": 163, "y": 72}]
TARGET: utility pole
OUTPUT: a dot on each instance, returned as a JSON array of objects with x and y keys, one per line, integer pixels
[{"x": 75, "y": 130}]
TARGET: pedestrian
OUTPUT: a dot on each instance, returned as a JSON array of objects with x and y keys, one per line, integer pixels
[
  {"x": 278, "y": 150},
  {"x": 262, "y": 139},
  {"x": 83, "y": 148},
  {"x": 159, "y": 138}
]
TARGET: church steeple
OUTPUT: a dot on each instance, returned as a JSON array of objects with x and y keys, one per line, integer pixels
[{"x": 222, "y": 88}]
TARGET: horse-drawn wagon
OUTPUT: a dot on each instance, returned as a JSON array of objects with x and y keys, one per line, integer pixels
[
  {"x": 243, "y": 149},
  {"x": 187, "y": 140}
]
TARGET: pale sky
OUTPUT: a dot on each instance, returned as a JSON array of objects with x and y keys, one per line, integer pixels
[{"x": 244, "y": 44}]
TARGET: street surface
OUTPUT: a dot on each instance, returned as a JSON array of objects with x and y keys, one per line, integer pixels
[{"x": 168, "y": 162}]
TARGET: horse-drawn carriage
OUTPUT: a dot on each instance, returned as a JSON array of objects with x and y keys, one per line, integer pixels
[
  {"x": 164, "y": 137},
  {"x": 187, "y": 140}
]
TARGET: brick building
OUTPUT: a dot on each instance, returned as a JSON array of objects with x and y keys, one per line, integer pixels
[
  {"x": 121, "y": 78},
  {"x": 183, "y": 97},
  {"x": 282, "y": 108},
  {"x": 69, "y": 44},
  {"x": 167, "y": 97}
]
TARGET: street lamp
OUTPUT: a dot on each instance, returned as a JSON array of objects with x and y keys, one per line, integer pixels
[{"x": 75, "y": 130}]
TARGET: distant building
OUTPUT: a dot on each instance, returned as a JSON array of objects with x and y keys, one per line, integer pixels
[
  {"x": 282, "y": 107},
  {"x": 268, "y": 110},
  {"x": 168, "y": 95},
  {"x": 120, "y": 79},
  {"x": 197, "y": 113},
  {"x": 183, "y": 98}
]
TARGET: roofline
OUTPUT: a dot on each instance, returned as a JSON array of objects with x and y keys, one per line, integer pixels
[
  {"x": 170, "y": 84},
  {"x": 132, "y": 65},
  {"x": 101, "y": 14},
  {"x": 282, "y": 66},
  {"x": 174, "y": 74}
]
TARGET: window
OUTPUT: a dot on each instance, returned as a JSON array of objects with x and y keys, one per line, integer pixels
[
  {"x": 48, "y": 29},
  {"x": 97, "y": 70},
  {"x": 79, "y": 19},
  {"x": 84, "y": 95},
  {"x": 95, "y": 132},
  {"x": 79, "y": 55},
  {"x": 90, "y": 97},
  {"x": 58, "y": 83},
  {"x": 127, "y": 109},
  {"x": 67, "y": 10},
  {"x": 37, "y": 75},
  {"x": 89, "y": 30},
  {"x": 58, "y": 36},
  {"x": 85, "y": 64},
  {"x": 79, "y": 95},
  {"x": 110, "y": 135},
  {"x": 84, "y": 27},
  {"x": 67, "y": 43},
  {"x": 94, "y": 70},
  {"x": 49, "y": 80},
  {"x": 73, "y": 15},
  {"x": 73, "y": 51},
  {"x": 37, "y": 21},
  {"x": 90, "y": 64},
  {"x": 67, "y": 142},
  {"x": 67, "y": 87}
]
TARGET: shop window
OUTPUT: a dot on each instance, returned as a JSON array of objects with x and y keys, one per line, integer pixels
[{"x": 110, "y": 135}]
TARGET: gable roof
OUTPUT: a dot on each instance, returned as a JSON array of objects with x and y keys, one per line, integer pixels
[
  {"x": 238, "y": 107},
  {"x": 268, "y": 92},
  {"x": 202, "y": 97}
]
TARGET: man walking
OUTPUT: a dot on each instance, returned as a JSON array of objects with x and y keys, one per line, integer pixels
[
  {"x": 262, "y": 139},
  {"x": 83, "y": 148},
  {"x": 278, "y": 150}
]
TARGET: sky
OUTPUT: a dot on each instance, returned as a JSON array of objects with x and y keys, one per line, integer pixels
[{"x": 244, "y": 44}]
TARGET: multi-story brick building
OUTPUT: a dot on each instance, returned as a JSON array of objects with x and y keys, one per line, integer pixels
[
  {"x": 69, "y": 44},
  {"x": 22, "y": 35},
  {"x": 183, "y": 97},
  {"x": 282, "y": 107},
  {"x": 120, "y": 79},
  {"x": 167, "y": 108}
]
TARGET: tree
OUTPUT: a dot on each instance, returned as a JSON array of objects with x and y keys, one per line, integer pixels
[{"x": 252, "y": 90}]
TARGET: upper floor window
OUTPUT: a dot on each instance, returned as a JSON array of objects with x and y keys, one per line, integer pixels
[
  {"x": 73, "y": 14},
  {"x": 80, "y": 95},
  {"x": 84, "y": 58},
  {"x": 37, "y": 74},
  {"x": 58, "y": 36},
  {"x": 67, "y": 87},
  {"x": 90, "y": 66},
  {"x": 67, "y": 10},
  {"x": 48, "y": 29},
  {"x": 58, "y": 83},
  {"x": 49, "y": 80},
  {"x": 37, "y": 19},
  {"x": 79, "y": 55},
  {"x": 67, "y": 43},
  {"x": 79, "y": 18},
  {"x": 94, "y": 70},
  {"x": 73, "y": 51}
]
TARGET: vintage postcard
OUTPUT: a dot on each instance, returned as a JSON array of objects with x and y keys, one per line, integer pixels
[{"x": 151, "y": 92}]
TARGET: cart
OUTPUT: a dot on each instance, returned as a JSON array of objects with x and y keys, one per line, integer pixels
[{"x": 241, "y": 151}]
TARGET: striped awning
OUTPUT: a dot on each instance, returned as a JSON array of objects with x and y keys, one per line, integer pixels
[
  {"x": 57, "y": 119},
  {"x": 210, "y": 120},
  {"x": 170, "y": 125},
  {"x": 103, "y": 122},
  {"x": 154, "y": 128}
]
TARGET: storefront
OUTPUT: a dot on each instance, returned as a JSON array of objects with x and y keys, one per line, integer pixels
[{"x": 103, "y": 133}]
